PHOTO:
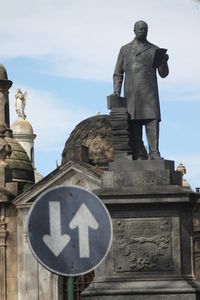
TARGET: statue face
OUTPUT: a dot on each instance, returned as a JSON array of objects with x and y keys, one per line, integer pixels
[{"x": 141, "y": 30}]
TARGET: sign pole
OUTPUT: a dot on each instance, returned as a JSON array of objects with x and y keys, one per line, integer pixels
[{"x": 70, "y": 288}]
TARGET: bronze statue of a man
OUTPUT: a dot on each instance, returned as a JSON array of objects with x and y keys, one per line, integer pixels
[{"x": 136, "y": 61}]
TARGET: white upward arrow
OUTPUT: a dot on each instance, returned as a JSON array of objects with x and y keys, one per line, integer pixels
[
  {"x": 83, "y": 219},
  {"x": 55, "y": 241}
]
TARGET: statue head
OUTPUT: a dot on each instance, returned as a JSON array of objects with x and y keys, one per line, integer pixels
[{"x": 141, "y": 29}]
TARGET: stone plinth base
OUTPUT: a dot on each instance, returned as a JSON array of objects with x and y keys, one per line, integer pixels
[
  {"x": 152, "y": 254},
  {"x": 145, "y": 297},
  {"x": 140, "y": 173},
  {"x": 143, "y": 290}
]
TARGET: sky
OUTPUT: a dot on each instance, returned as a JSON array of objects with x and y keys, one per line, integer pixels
[{"x": 63, "y": 53}]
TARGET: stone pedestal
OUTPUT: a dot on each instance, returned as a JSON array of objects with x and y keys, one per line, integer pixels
[{"x": 151, "y": 255}]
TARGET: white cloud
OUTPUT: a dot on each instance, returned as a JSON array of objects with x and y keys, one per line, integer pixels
[
  {"x": 51, "y": 121},
  {"x": 82, "y": 38}
]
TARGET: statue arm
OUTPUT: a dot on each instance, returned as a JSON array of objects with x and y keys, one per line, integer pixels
[
  {"x": 118, "y": 74},
  {"x": 163, "y": 70}
]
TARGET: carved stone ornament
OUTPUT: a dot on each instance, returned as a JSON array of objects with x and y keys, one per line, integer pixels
[
  {"x": 3, "y": 226},
  {"x": 143, "y": 244},
  {"x": 76, "y": 180},
  {"x": 5, "y": 148},
  {"x": 3, "y": 234},
  {"x": 3, "y": 237}
]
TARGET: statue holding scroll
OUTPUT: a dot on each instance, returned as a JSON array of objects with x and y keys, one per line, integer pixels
[{"x": 140, "y": 61}]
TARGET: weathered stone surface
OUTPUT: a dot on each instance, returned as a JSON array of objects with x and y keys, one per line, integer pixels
[
  {"x": 146, "y": 297},
  {"x": 121, "y": 131},
  {"x": 138, "y": 178},
  {"x": 5, "y": 84},
  {"x": 21, "y": 169},
  {"x": 125, "y": 173},
  {"x": 79, "y": 153},
  {"x": 152, "y": 227},
  {"x": 119, "y": 123},
  {"x": 143, "y": 244},
  {"x": 138, "y": 165},
  {"x": 160, "y": 289},
  {"x": 94, "y": 133}
]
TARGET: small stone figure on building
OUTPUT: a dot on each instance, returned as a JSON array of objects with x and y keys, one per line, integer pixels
[
  {"x": 20, "y": 103},
  {"x": 139, "y": 60},
  {"x": 182, "y": 169}
]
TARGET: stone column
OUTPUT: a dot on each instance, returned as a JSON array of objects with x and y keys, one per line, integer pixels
[
  {"x": 5, "y": 84},
  {"x": 5, "y": 150},
  {"x": 3, "y": 234},
  {"x": 196, "y": 240}
]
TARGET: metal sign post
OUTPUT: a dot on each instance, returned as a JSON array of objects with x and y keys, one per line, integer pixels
[{"x": 70, "y": 288}]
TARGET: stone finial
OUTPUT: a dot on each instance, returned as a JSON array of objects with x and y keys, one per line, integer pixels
[
  {"x": 20, "y": 103},
  {"x": 5, "y": 85},
  {"x": 5, "y": 148},
  {"x": 3, "y": 73},
  {"x": 181, "y": 168}
]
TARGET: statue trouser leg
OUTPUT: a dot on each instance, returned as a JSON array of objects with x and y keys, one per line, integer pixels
[
  {"x": 136, "y": 142},
  {"x": 152, "y": 133}
]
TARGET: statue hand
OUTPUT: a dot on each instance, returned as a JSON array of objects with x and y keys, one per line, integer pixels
[
  {"x": 165, "y": 58},
  {"x": 116, "y": 94}
]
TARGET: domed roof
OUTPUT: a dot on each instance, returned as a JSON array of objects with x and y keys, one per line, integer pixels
[
  {"x": 5, "y": 82},
  {"x": 22, "y": 126},
  {"x": 94, "y": 133},
  {"x": 3, "y": 73},
  {"x": 19, "y": 163}
]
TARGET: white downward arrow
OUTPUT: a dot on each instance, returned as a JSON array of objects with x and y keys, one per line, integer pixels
[
  {"x": 83, "y": 219},
  {"x": 55, "y": 241}
]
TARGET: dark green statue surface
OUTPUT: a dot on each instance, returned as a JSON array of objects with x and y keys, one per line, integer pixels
[{"x": 139, "y": 61}]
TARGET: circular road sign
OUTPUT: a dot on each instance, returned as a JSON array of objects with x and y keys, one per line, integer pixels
[{"x": 69, "y": 230}]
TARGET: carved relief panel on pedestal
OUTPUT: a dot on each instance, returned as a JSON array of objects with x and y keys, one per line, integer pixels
[{"x": 143, "y": 244}]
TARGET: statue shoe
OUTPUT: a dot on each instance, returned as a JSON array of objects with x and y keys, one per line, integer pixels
[{"x": 155, "y": 156}]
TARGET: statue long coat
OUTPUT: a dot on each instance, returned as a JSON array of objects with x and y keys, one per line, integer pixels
[{"x": 140, "y": 84}]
